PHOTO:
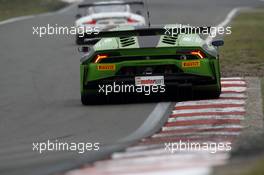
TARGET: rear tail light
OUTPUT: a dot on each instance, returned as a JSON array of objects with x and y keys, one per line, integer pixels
[
  {"x": 197, "y": 53},
  {"x": 130, "y": 20},
  {"x": 100, "y": 57},
  {"x": 90, "y": 22}
]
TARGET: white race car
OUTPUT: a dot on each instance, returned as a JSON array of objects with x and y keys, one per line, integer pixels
[{"x": 102, "y": 16}]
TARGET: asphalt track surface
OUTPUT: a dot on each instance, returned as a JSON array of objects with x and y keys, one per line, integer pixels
[{"x": 39, "y": 85}]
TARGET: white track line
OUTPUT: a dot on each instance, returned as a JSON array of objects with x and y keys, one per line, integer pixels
[
  {"x": 193, "y": 171},
  {"x": 227, "y": 20},
  {"x": 152, "y": 120},
  {"x": 210, "y": 102},
  {"x": 232, "y": 78},
  {"x": 139, "y": 148},
  {"x": 234, "y": 89},
  {"x": 191, "y": 138},
  {"x": 239, "y": 117},
  {"x": 222, "y": 126},
  {"x": 233, "y": 82},
  {"x": 158, "y": 151},
  {"x": 212, "y": 133},
  {"x": 12, "y": 20},
  {"x": 206, "y": 110},
  {"x": 169, "y": 171},
  {"x": 144, "y": 147},
  {"x": 69, "y": 7},
  {"x": 176, "y": 159},
  {"x": 152, "y": 152},
  {"x": 236, "y": 95}
]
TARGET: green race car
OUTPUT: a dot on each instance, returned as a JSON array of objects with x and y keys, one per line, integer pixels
[{"x": 163, "y": 61}]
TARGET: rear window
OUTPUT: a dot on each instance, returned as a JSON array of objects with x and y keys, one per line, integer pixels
[{"x": 109, "y": 8}]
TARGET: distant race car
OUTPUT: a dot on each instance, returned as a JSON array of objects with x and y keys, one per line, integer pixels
[
  {"x": 184, "y": 63},
  {"x": 107, "y": 15}
]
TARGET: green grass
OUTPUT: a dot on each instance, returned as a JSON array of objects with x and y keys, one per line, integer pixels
[
  {"x": 14, "y": 8},
  {"x": 243, "y": 53},
  {"x": 257, "y": 169}
]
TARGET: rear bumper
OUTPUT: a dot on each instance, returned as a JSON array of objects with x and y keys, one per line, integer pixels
[
  {"x": 171, "y": 81},
  {"x": 177, "y": 88}
]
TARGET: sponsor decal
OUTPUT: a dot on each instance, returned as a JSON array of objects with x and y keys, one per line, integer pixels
[
  {"x": 149, "y": 80},
  {"x": 105, "y": 67},
  {"x": 190, "y": 64}
]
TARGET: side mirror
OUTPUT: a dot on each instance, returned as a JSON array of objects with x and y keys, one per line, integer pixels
[
  {"x": 78, "y": 16},
  {"x": 84, "y": 49},
  {"x": 218, "y": 43}
]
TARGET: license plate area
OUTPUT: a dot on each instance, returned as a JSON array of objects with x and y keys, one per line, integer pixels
[{"x": 149, "y": 80}]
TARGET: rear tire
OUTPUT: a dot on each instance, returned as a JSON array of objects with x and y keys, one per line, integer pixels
[
  {"x": 211, "y": 94},
  {"x": 92, "y": 99},
  {"x": 204, "y": 94},
  {"x": 214, "y": 95},
  {"x": 86, "y": 100},
  {"x": 79, "y": 40}
]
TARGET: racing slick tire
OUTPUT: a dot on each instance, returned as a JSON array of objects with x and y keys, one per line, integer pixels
[
  {"x": 88, "y": 99},
  {"x": 92, "y": 99},
  {"x": 212, "y": 94},
  {"x": 79, "y": 40}
]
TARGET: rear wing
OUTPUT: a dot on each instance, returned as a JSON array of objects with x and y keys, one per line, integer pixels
[
  {"x": 110, "y": 3},
  {"x": 148, "y": 32}
]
